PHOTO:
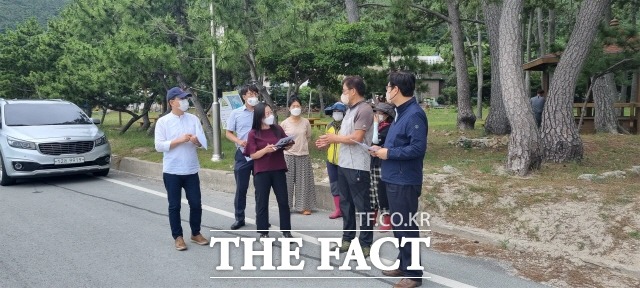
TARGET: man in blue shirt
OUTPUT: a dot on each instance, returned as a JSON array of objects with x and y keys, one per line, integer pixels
[
  {"x": 402, "y": 156},
  {"x": 240, "y": 122}
]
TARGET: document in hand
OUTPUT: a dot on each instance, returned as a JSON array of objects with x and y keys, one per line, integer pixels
[
  {"x": 285, "y": 141},
  {"x": 365, "y": 146}
]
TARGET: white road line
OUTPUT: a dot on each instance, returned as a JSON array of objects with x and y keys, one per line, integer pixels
[{"x": 434, "y": 278}]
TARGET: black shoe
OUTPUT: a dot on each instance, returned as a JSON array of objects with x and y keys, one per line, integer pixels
[
  {"x": 236, "y": 225},
  {"x": 287, "y": 235},
  {"x": 265, "y": 235},
  {"x": 269, "y": 225}
]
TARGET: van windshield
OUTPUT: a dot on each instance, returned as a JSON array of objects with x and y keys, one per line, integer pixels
[{"x": 39, "y": 114}]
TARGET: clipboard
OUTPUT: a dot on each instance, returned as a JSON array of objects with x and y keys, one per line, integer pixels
[
  {"x": 365, "y": 146},
  {"x": 285, "y": 141}
]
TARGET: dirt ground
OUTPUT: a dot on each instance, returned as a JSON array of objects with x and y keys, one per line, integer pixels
[{"x": 550, "y": 226}]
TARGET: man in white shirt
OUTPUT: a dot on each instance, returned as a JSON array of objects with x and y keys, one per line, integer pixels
[{"x": 178, "y": 135}]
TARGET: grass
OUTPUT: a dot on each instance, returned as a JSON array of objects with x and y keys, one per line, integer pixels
[
  {"x": 136, "y": 143},
  {"x": 602, "y": 152}
]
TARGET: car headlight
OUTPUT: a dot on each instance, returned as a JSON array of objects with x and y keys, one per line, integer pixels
[
  {"x": 21, "y": 144},
  {"x": 100, "y": 141}
]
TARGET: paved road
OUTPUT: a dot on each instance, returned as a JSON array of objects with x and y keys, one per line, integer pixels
[{"x": 114, "y": 232}]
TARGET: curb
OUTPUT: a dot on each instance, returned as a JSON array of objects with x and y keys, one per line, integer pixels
[
  {"x": 211, "y": 179},
  {"x": 224, "y": 181}
]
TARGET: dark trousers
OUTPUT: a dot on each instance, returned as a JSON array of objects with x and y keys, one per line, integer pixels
[
  {"x": 174, "y": 185},
  {"x": 241, "y": 171},
  {"x": 263, "y": 182},
  {"x": 354, "y": 196},
  {"x": 403, "y": 204},
  {"x": 538, "y": 118},
  {"x": 332, "y": 171}
]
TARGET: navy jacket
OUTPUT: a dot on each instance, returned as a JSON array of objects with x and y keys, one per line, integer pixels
[{"x": 407, "y": 144}]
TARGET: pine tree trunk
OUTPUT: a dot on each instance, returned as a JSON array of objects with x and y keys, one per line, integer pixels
[
  {"x": 466, "y": 118},
  {"x": 543, "y": 46},
  {"x": 552, "y": 29},
  {"x": 527, "y": 74},
  {"x": 480, "y": 69},
  {"x": 622, "y": 97},
  {"x": 634, "y": 85},
  {"x": 524, "y": 142},
  {"x": 604, "y": 94},
  {"x": 559, "y": 132},
  {"x": 353, "y": 14},
  {"x": 497, "y": 122}
]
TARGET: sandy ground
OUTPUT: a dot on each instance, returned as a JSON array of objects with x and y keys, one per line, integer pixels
[{"x": 577, "y": 240}]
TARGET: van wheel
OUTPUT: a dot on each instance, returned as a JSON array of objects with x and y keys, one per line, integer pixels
[
  {"x": 5, "y": 180},
  {"x": 102, "y": 173}
]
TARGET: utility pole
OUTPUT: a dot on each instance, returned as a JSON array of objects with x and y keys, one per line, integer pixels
[{"x": 215, "y": 109}]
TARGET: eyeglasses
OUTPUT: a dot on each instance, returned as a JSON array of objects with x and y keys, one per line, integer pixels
[
  {"x": 389, "y": 87},
  {"x": 345, "y": 90}
]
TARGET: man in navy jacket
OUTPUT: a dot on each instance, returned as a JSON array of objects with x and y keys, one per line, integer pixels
[{"x": 403, "y": 155}]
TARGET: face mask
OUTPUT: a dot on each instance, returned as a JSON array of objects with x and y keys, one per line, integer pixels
[
  {"x": 269, "y": 120},
  {"x": 252, "y": 101},
  {"x": 388, "y": 97},
  {"x": 337, "y": 116},
  {"x": 380, "y": 117},
  {"x": 184, "y": 105},
  {"x": 296, "y": 111},
  {"x": 344, "y": 99}
]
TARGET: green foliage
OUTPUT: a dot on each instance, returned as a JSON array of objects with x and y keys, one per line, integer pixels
[
  {"x": 14, "y": 12},
  {"x": 22, "y": 53},
  {"x": 615, "y": 45},
  {"x": 347, "y": 49}
]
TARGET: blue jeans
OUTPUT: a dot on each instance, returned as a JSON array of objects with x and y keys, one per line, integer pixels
[
  {"x": 174, "y": 185},
  {"x": 403, "y": 203},
  {"x": 241, "y": 171}
]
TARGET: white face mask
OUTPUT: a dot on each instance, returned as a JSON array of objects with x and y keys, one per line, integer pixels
[
  {"x": 388, "y": 97},
  {"x": 380, "y": 117},
  {"x": 269, "y": 120},
  {"x": 252, "y": 101},
  {"x": 337, "y": 116},
  {"x": 296, "y": 111},
  {"x": 184, "y": 105},
  {"x": 344, "y": 99}
]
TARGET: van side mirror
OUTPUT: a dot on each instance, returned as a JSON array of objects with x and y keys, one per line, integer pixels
[{"x": 95, "y": 121}]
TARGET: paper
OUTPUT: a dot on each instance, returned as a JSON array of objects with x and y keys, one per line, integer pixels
[
  {"x": 365, "y": 146},
  {"x": 201, "y": 138},
  {"x": 284, "y": 141}
]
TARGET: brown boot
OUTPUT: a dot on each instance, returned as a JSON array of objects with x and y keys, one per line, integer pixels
[
  {"x": 407, "y": 283},
  {"x": 392, "y": 273},
  {"x": 200, "y": 240},
  {"x": 180, "y": 245}
]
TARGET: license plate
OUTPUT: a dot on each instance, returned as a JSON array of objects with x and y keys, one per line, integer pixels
[{"x": 74, "y": 160}]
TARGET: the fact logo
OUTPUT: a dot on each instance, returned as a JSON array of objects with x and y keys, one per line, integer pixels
[{"x": 328, "y": 250}]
